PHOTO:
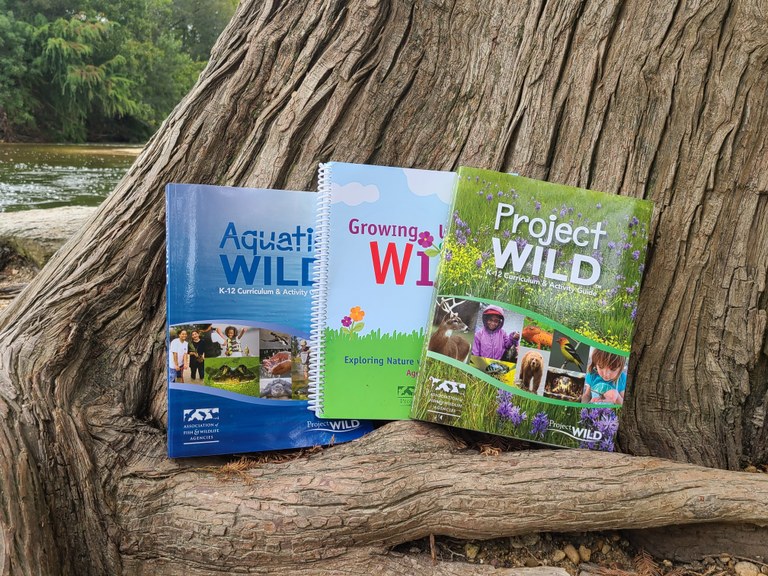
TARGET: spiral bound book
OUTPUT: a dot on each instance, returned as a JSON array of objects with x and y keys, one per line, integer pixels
[
  {"x": 240, "y": 266},
  {"x": 379, "y": 240}
]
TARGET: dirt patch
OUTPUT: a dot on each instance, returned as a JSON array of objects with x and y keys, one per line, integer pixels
[{"x": 599, "y": 553}]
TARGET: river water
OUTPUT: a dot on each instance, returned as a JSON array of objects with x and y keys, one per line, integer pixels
[{"x": 52, "y": 175}]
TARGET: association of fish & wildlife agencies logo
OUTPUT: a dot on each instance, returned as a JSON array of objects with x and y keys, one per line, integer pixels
[
  {"x": 201, "y": 425},
  {"x": 405, "y": 393}
]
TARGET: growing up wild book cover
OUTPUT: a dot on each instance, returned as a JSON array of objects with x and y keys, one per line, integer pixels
[
  {"x": 379, "y": 238},
  {"x": 240, "y": 269},
  {"x": 534, "y": 311}
]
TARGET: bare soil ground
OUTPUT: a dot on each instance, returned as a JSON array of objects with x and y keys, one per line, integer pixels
[
  {"x": 15, "y": 274},
  {"x": 599, "y": 553}
]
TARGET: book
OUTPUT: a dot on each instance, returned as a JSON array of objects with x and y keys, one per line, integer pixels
[
  {"x": 534, "y": 311},
  {"x": 239, "y": 274},
  {"x": 379, "y": 239}
]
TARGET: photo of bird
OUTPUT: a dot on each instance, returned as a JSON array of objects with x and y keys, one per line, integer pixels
[{"x": 569, "y": 353}]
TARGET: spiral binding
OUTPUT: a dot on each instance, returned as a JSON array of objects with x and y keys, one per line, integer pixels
[{"x": 319, "y": 293}]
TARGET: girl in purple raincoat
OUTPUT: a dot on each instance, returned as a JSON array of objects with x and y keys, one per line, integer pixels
[{"x": 490, "y": 340}]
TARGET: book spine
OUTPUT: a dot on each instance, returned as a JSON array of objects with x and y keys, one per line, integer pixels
[{"x": 319, "y": 292}]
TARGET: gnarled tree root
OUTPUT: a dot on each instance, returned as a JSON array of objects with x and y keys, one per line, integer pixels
[{"x": 341, "y": 510}]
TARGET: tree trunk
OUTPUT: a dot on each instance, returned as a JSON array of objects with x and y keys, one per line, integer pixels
[{"x": 665, "y": 102}]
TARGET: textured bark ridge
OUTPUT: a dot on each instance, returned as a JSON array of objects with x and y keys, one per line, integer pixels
[{"x": 665, "y": 102}]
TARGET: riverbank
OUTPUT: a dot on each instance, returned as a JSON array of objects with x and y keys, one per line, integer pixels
[{"x": 29, "y": 238}]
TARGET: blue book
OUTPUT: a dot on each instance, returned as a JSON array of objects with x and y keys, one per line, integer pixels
[{"x": 239, "y": 275}]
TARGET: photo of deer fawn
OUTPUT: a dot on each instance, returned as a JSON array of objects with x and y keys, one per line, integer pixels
[{"x": 447, "y": 339}]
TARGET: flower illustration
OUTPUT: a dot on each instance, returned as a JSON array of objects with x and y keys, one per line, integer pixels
[
  {"x": 352, "y": 324},
  {"x": 356, "y": 313},
  {"x": 426, "y": 239}
]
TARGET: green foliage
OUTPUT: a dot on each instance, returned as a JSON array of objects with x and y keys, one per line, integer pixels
[
  {"x": 198, "y": 23},
  {"x": 82, "y": 69},
  {"x": 16, "y": 100}
]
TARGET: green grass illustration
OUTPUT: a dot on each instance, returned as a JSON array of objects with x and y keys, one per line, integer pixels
[{"x": 377, "y": 371}]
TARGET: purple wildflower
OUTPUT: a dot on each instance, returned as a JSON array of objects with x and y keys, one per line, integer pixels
[
  {"x": 521, "y": 243},
  {"x": 506, "y": 234},
  {"x": 448, "y": 255},
  {"x": 504, "y": 410},
  {"x": 611, "y": 245},
  {"x": 479, "y": 262},
  {"x": 633, "y": 315},
  {"x": 630, "y": 289},
  {"x": 517, "y": 416},
  {"x": 598, "y": 205},
  {"x": 608, "y": 423},
  {"x": 539, "y": 424},
  {"x": 489, "y": 197},
  {"x": 346, "y": 321},
  {"x": 636, "y": 255},
  {"x": 563, "y": 212},
  {"x": 606, "y": 444},
  {"x": 641, "y": 268},
  {"x": 537, "y": 206}
]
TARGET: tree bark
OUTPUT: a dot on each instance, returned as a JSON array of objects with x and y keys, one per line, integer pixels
[{"x": 662, "y": 101}]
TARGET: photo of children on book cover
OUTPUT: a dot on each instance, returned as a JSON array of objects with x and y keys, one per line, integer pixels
[
  {"x": 238, "y": 358},
  {"x": 534, "y": 311}
]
